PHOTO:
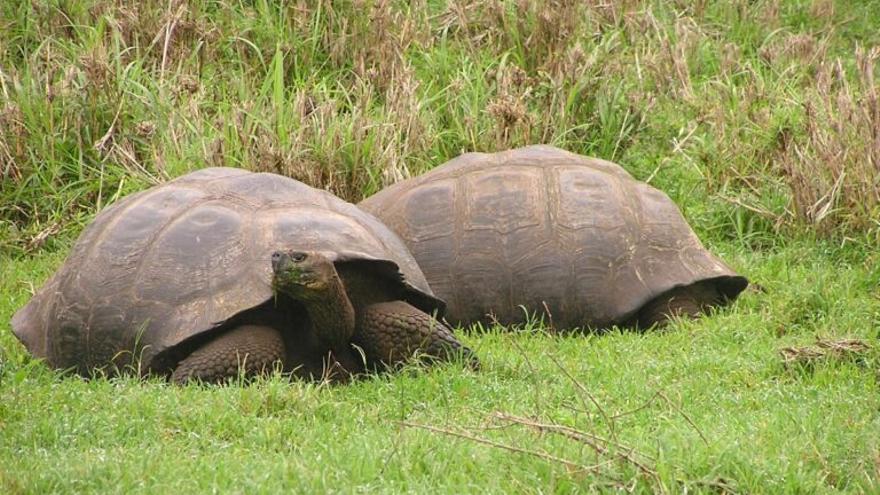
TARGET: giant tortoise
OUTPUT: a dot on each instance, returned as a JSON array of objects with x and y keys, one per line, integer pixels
[
  {"x": 224, "y": 271},
  {"x": 543, "y": 231}
]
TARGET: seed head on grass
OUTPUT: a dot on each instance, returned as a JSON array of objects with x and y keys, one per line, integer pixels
[{"x": 509, "y": 107}]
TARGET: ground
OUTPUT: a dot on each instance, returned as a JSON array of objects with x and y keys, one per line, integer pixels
[{"x": 758, "y": 118}]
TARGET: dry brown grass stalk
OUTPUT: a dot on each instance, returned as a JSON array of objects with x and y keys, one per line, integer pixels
[
  {"x": 600, "y": 445},
  {"x": 833, "y": 168},
  {"x": 512, "y": 448},
  {"x": 608, "y": 451},
  {"x": 513, "y": 123},
  {"x": 13, "y": 139},
  {"x": 542, "y": 30}
]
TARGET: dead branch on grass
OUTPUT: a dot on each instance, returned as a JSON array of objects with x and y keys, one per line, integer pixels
[
  {"x": 512, "y": 448},
  {"x": 597, "y": 443}
]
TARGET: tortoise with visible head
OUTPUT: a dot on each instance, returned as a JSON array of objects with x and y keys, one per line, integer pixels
[
  {"x": 548, "y": 231},
  {"x": 224, "y": 270}
]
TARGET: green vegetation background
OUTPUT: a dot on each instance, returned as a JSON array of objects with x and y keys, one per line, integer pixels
[{"x": 759, "y": 118}]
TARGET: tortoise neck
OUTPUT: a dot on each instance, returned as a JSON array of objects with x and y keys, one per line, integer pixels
[{"x": 331, "y": 314}]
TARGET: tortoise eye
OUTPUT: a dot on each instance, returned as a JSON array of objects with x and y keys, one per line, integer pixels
[{"x": 298, "y": 256}]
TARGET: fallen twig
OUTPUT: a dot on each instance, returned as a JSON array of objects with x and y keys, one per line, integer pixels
[
  {"x": 596, "y": 442},
  {"x": 485, "y": 441}
]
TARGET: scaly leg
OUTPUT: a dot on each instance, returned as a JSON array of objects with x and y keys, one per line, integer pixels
[
  {"x": 253, "y": 349},
  {"x": 391, "y": 332}
]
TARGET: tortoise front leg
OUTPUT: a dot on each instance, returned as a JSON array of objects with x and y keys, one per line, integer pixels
[
  {"x": 252, "y": 349},
  {"x": 391, "y": 332}
]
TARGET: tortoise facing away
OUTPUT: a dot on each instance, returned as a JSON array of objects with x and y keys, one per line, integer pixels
[
  {"x": 222, "y": 271},
  {"x": 551, "y": 232}
]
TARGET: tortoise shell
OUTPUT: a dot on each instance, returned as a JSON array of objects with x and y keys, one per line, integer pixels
[
  {"x": 178, "y": 260},
  {"x": 548, "y": 231}
]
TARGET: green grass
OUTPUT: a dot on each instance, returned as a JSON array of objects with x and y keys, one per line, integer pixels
[
  {"x": 767, "y": 427},
  {"x": 758, "y": 118}
]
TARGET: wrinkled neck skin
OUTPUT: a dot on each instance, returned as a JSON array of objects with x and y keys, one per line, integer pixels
[{"x": 331, "y": 313}]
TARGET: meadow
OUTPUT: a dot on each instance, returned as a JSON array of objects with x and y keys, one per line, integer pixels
[{"x": 761, "y": 119}]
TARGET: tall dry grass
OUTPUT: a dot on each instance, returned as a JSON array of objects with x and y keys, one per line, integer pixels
[{"x": 761, "y": 110}]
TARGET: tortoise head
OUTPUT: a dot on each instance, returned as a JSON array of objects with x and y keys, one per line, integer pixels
[{"x": 302, "y": 274}]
